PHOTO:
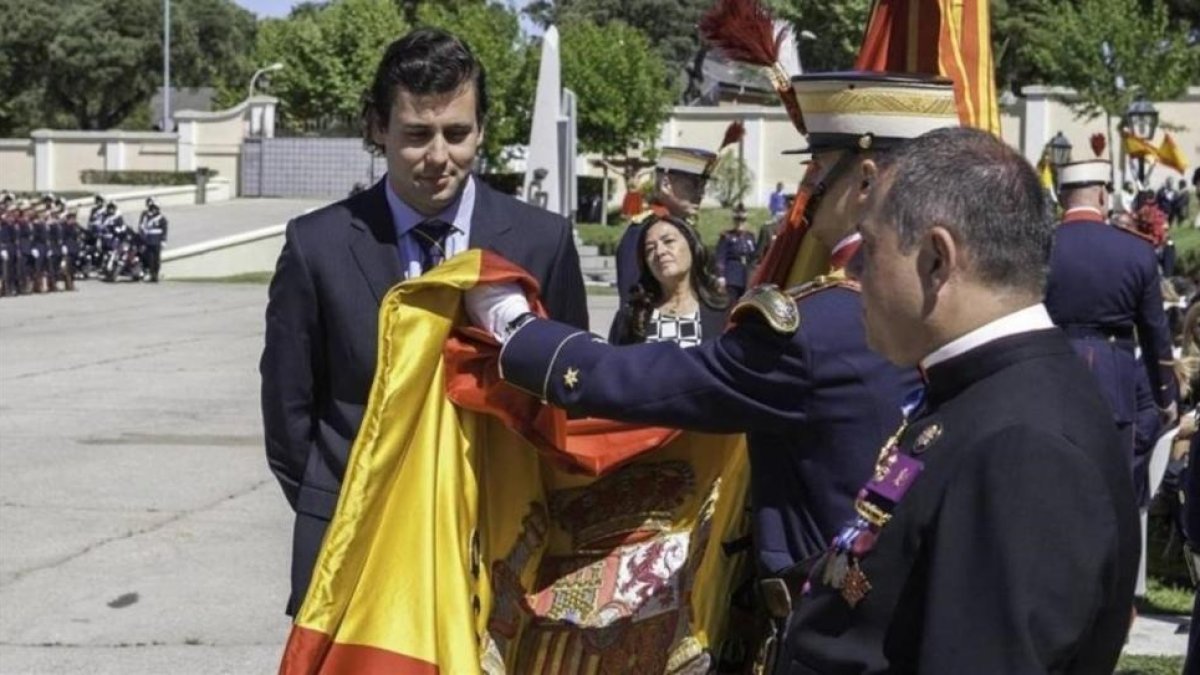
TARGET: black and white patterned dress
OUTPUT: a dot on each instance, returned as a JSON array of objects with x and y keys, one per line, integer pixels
[{"x": 684, "y": 329}]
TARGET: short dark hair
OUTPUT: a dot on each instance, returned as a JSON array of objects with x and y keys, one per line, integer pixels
[
  {"x": 984, "y": 193},
  {"x": 425, "y": 61}
]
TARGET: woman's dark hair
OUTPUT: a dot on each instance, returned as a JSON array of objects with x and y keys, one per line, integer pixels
[
  {"x": 425, "y": 61},
  {"x": 648, "y": 293}
]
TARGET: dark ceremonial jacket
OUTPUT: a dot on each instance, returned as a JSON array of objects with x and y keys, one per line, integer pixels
[
  {"x": 318, "y": 360},
  {"x": 1103, "y": 287},
  {"x": 1013, "y": 551},
  {"x": 628, "y": 269},
  {"x": 816, "y": 404},
  {"x": 735, "y": 257}
]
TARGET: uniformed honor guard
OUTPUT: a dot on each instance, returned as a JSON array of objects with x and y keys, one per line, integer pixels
[
  {"x": 997, "y": 532},
  {"x": 735, "y": 255},
  {"x": 153, "y": 230},
  {"x": 1105, "y": 292},
  {"x": 680, "y": 176},
  {"x": 793, "y": 372}
]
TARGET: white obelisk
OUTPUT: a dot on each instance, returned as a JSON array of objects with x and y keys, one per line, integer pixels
[{"x": 542, "y": 158}]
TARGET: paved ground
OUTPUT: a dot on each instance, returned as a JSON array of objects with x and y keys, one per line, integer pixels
[
  {"x": 140, "y": 531},
  {"x": 194, "y": 224}
]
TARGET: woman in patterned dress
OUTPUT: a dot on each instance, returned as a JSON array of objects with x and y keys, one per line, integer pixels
[{"x": 677, "y": 297}]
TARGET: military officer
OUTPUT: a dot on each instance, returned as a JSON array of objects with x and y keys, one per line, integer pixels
[
  {"x": 8, "y": 251},
  {"x": 794, "y": 371},
  {"x": 735, "y": 255},
  {"x": 1105, "y": 292},
  {"x": 680, "y": 176},
  {"x": 997, "y": 533},
  {"x": 153, "y": 230}
]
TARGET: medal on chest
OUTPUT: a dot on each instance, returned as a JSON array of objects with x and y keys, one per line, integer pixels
[{"x": 895, "y": 473}]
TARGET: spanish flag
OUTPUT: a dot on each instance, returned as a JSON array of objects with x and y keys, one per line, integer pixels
[
  {"x": 478, "y": 531},
  {"x": 1137, "y": 147},
  {"x": 1170, "y": 154},
  {"x": 951, "y": 38}
]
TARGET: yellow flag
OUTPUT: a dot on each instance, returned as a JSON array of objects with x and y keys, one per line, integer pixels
[
  {"x": 1136, "y": 147},
  {"x": 1170, "y": 155}
]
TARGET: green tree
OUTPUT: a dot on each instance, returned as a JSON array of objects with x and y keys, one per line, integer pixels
[
  {"x": 617, "y": 79},
  {"x": 494, "y": 35},
  {"x": 731, "y": 180},
  {"x": 670, "y": 26},
  {"x": 838, "y": 28},
  {"x": 1148, "y": 54},
  {"x": 92, "y": 63},
  {"x": 329, "y": 56}
]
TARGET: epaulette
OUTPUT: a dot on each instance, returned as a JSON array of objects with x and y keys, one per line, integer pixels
[
  {"x": 821, "y": 283},
  {"x": 1140, "y": 235},
  {"x": 770, "y": 304}
]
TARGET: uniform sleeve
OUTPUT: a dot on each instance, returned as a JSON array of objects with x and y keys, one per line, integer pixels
[
  {"x": 1155, "y": 336},
  {"x": 287, "y": 365},
  {"x": 564, "y": 294},
  {"x": 749, "y": 379},
  {"x": 1020, "y": 558}
]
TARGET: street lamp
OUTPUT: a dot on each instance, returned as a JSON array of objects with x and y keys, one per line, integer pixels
[
  {"x": 1060, "y": 150},
  {"x": 1141, "y": 119},
  {"x": 274, "y": 67}
]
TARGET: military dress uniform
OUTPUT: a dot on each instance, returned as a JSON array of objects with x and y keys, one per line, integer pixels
[
  {"x": 996, "y": 535},
  {"x": 735, "y": 260},
  {"x": 8, "y": 255},
  {"x": 1104, "y": 290},
  {"x": 689, "y": 161}
]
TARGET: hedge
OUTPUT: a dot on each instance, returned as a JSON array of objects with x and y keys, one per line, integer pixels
[{"x": 143, "y": 177}]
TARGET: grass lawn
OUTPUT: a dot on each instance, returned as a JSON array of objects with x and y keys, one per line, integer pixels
[
  {"x": 711, "y": 223},
  {"x": 1163, "y": 598},
  {"x": 1149, "y": 665},
  {"x": 246, "y": 278}
]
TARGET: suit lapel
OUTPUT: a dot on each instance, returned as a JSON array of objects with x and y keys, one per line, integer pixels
[
  {"x": 374, "y": 245},
  {"x": 488, "y": 224}
]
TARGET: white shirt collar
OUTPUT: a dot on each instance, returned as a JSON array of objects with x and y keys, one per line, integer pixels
[
  {"x": 1025, "y": 320},
  {"x": 458, "y": 213}
]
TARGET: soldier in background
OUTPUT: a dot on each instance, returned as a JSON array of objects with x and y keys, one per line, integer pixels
[
  {"x": 8, "y": 247},
  {"x": 1105, "y": 292},
  {"x": 735, "y": 255},
  {"x": 40, "y": 247},
  {"x": 152, "y": 227}
]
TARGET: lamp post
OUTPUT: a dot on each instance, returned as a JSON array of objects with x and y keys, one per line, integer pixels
[
  {"x": 166, "y": 120},
  {"x": 1141, "y": 120},
  {"x": 273, "y": 68},
  {"x": 1060, "y": 150}
]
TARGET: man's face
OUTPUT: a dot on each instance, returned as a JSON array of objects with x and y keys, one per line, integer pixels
[
  {"x": 683, "y": 192},
  {"x": 430, "y": 143},
  {"x": 892, "y": 296}
]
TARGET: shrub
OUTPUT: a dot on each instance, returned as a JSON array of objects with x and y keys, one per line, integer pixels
[{"x": 144, "y": 177}]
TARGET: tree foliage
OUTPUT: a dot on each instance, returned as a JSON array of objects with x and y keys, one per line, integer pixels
[
  {"x": 670, "y": 26},
  {"x": 838, "y": 28},
  {"x": 92, "y": 63},
  {"x": 617, "y": 78},
  {"x": 1149, "y": 53}
]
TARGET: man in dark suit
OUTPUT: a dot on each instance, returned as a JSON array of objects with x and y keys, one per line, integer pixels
[
  {"x": 425, "y": 111},
  {"x": 1105, "y": 292},
  {"x": 998, "y": 532}
]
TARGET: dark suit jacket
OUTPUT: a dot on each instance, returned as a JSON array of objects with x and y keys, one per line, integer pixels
[
  {"x": 322, "y": 319},
  {"x": 1016, "y": 547}
]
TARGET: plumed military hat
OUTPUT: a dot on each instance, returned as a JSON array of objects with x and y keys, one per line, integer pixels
[
  {"x": 1085, "y": 173},
  {"x": 870, "y": 110},
  {"x": 692, "y": 161}
]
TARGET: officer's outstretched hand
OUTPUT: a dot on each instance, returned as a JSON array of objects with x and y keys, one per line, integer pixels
[{"x": 493, "y": 307}]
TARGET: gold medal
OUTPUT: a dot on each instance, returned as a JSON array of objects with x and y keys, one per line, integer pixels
[
  {"x": 926, "y": 438},
  {"x": 855, "y": 586}
]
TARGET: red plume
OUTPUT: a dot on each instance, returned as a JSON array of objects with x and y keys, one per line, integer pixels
[
  {"x": 1098, "y": 143},
  {"x": 742, "y": 31},
  {"x": 733, "y": 133}
]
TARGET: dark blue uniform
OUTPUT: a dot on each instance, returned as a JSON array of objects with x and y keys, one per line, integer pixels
[
  {"x": 1104, "y": 291},
  {"x": 153, "y": 230},
  {"x": 816, "y": 404},
  {"x": 8, "y": 256},
  {"x": 735, "y": 258},
  {"x": 1191, "y": 504}
]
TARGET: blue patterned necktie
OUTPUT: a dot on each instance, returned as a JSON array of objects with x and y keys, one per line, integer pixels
[{"x": 431, "y": 238}]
